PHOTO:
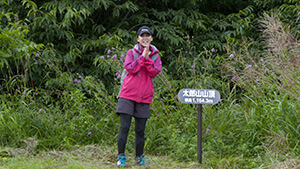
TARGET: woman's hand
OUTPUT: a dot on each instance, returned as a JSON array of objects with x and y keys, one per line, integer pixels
[{"x": 146, "y": 51}]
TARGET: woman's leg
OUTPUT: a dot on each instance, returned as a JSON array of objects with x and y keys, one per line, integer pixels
[
  {"x": 140, "y": 124},
  {"x": 125, "y": 126}
]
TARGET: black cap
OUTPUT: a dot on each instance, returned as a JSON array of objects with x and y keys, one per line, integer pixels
[{"x": 144, "y": 29}]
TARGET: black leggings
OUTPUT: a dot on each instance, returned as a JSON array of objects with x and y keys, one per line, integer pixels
[{"x": 140, "y": 124}]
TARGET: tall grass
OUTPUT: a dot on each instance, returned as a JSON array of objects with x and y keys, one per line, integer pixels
[
  {"x": 270, "y": 81},
  {"x": 258, "y": 113}
]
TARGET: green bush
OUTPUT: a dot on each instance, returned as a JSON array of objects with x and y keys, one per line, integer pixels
[{"x": 60, "y": 87}]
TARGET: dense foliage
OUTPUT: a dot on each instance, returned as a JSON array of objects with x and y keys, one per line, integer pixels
[{"x": 60, "y": 62}]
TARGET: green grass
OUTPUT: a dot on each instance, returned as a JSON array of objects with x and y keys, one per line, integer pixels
[
  {"x": 96, "y": 156},
  {"x": 90, "y": 156}
]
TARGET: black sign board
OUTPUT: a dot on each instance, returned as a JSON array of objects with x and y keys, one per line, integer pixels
[{"x": 199, "y": 96}]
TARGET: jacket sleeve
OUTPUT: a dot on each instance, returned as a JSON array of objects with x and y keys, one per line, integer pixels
[
  {"x": 153, "y": 67},
  {"x": 133, "y": 66}
]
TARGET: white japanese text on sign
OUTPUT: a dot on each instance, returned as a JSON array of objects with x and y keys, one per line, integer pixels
[{"x": 199, "y": 96}]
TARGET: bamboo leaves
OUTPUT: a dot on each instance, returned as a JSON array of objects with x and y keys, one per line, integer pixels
[{"x": 127, "y": 6}]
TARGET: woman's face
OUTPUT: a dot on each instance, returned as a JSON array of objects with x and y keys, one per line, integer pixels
[{"x": 144, "y": 39}]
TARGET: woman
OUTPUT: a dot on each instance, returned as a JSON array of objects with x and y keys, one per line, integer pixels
[{"x": 142, "y": 64}]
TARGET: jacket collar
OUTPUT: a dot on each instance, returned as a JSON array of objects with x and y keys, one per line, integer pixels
[{"x": 138, "y": 48}]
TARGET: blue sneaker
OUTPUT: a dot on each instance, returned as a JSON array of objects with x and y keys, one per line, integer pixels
[
  {"x": 121, "y": 160},
  {"x": 141, "y": 161}
]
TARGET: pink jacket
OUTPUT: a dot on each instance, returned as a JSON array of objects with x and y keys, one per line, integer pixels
[{"x": 137, "y": 85}]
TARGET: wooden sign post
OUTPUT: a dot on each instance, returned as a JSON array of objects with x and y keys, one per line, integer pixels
[{"x": 199, "y": 96}]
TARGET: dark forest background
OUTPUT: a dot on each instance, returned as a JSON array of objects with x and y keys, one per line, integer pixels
[{"x": 60, "y": 62}]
